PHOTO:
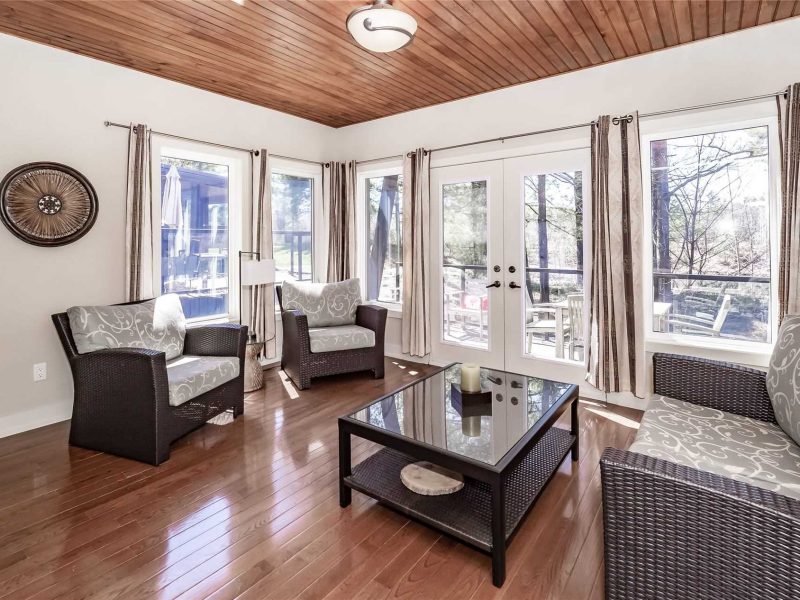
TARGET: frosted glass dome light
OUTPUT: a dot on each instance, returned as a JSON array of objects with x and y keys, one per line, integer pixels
[{"x": 380, "y": 27}]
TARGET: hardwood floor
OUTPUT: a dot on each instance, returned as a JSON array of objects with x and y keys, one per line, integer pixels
[{"x": 250, "y": 510}]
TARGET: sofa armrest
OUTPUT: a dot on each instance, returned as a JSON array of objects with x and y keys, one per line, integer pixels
[
  {"x": 121, "y": 399},
  {"x": 720, "y": 385},
  {"x": 374, "y": 318},
  {"x": 674, "y": 532},
  {"x": 224, "y": 339}
]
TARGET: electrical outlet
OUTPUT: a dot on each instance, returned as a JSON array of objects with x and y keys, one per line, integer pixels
[{"x": 40, "y": 371}]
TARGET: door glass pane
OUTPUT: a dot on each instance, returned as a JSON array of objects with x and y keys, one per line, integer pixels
[
  {"x": 194, "y": 235},
  {"x": 710, "y": 219},
  {"x": 385, "y": 238},
  {"x": 465, "y": 310},
  {"x": 292, "y": 201},
  {"x": 554, "y": 323}
]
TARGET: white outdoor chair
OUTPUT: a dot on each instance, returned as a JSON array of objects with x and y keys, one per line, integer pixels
[{"x": 702, "y": 323}]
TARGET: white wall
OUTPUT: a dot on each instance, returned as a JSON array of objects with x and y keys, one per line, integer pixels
[{"x": 52, "y": 107}]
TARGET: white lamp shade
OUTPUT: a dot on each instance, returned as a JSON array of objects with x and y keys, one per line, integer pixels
[
  {"x": 258, "y": 272},
  {"x": 381, "y": 28}
]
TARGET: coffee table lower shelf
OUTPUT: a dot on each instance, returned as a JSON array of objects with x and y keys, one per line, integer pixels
[{"x": 467, "y": 514}]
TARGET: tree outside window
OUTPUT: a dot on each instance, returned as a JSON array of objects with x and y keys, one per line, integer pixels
[
  {"x": 292, "y": 202},
  {"x": 384, "y": 238},
  {"x": 710, "y": 222}
]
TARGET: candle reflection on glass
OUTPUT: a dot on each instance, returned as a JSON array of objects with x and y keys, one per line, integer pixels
[{"x": 471, "y": 426}]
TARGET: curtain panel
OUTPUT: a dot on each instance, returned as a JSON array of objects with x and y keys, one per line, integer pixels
[
  {"x": 339, "y": 191},
  {"x": 615, "y": 361},
  {"x": 139, "y": 216},
  {"x": 416, "y": 326},
  {"x": 262, "y": 297},
  {"x": 789, "y": 262}
]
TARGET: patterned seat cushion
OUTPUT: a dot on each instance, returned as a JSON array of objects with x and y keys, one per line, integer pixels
[
  {"x": 189, "y": 376},
  {"x": 783, "y": 378},
  {"x": 344, "y": 337},
  {"x": 157, "y": 324},
  {"x": 324, "y": 304},
  {"x": 756, "y": 452}
]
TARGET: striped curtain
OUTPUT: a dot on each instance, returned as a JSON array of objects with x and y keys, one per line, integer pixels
[
  {"x": 339, "y": 189},
  {"x": 789, "y": 263},
  {"x": 416, "y": 326},
  {"x": 139, "y": 216},
  {"x": 616, "y": 345},
  {"x": 262, "y": 297}
]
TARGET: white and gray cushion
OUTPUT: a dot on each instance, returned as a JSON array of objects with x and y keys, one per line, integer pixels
[
  {"x": 714, "y": 441},
  {"x": 325, "y": 304},
  {"x": 190, "y": 376},
  {"x": 783, "y": 378},
  {"x": 157, "y": 324},
  {"x": 344, "y": 337}
]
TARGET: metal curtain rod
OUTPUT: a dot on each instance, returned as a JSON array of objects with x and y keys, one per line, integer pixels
[
  {"x": 216, "y": 145},
  {"x": 580, "y": 125}
]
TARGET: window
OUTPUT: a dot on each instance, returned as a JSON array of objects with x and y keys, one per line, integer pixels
[
  {"x": 710, "y": 251},
  {"x": 384, "y": 196},
  {"x": 465, "y": 251},
  {"x": 292, "y": 209},
  {"x": 196, "y": 238},
  {"x": 554, "y": 264}
]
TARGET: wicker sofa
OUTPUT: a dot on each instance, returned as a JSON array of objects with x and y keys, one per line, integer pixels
[
  {"x": 677, "y": 532},
  {"x": 302, "y": 362},
  {"x": 124, "y": 398}
]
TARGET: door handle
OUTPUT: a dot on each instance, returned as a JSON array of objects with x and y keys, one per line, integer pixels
[
  {"x": 495, "y": 284},
  {"x": 513, "y": 285}
]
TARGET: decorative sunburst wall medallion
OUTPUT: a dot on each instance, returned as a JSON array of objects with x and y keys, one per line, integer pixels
[{"x": 47, "y": 204}]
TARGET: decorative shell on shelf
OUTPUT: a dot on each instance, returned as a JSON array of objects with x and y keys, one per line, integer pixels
[{"x": 47, "y": 203}]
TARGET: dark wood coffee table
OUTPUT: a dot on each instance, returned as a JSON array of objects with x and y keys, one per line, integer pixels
[{"x": 505, "y": 445}]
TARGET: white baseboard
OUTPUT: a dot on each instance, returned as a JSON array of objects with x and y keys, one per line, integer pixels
[{"x": 35, "y": 418}]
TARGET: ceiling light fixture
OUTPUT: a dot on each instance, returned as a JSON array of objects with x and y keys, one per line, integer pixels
[{"x": 380, "y": 27}]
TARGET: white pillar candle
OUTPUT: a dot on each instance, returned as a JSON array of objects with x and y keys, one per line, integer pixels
[{"x": 470, "y": 377}]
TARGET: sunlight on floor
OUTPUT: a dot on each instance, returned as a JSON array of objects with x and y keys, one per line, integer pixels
[
  {"x": 611, "y": 416},
  {"x": 288, "y": 386}
]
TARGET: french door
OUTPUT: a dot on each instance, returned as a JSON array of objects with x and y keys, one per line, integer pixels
[
  {"x": 467, "y": 277},
  {"x": 517, "y": 226}
]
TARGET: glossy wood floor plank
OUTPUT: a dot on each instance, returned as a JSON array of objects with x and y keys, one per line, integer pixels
[{"x": 250, "y": 510}]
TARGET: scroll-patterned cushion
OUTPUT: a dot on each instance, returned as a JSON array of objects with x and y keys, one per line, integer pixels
[
  {"x": 325, "y": 304},
  {"x": 783, "y": 378},
  {"x": 157, "y": 324},
  {"x": 749, "y": 450},
  {"x": 189, "y": 376},
  {"x": 344, "y": 337}
]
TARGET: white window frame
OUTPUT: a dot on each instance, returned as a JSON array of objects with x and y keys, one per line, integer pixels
[
  {"x": 748, "y": 352},
  {"x": 237, "y": 169},
  {"x": 362, "y": 224},
  {"x": 314, "y": 172}
]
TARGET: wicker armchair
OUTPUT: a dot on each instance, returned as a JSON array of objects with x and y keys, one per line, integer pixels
[
  {"x": 121, "y": 404},
  {"x": 301, "y": 365},
  {"x": 675, "y": 533}
]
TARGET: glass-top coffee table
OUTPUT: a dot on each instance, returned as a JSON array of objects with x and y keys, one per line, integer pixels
[{"x": 502, "y": 440}]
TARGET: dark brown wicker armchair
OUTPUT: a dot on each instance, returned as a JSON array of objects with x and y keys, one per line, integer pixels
[
  {"x": 677, "y": 533},
  {"x": 301, "y": 365},
  {"x": 121, "y": 403}
]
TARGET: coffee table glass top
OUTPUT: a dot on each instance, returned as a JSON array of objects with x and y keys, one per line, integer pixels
[{"x": 482, "y": 426}]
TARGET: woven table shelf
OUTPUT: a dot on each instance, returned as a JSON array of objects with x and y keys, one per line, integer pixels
[{"x": 466, "y": 514}]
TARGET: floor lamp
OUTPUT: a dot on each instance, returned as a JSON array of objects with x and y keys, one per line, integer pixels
[{"x": 254, "y": 272}]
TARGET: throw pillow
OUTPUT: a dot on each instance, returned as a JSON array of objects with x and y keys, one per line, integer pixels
[
  {"x": 325, "y": 304},
  {"x": 157, "y": 324},
  {"x": 783, "y": 377}
]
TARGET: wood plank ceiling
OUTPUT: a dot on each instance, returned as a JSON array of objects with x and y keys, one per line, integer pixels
[{"x": 296, "y": 56}]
